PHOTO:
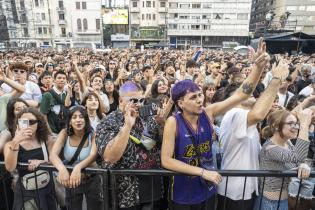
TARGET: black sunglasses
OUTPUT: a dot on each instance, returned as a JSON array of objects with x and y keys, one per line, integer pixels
[
  {"x": 19, "y": 71},
  {"x": 136, "y": 100},
  {"x": 32, "y": 122}
]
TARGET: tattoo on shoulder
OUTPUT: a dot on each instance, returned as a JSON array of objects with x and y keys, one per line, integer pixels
[{"x": 247, "y": 88}]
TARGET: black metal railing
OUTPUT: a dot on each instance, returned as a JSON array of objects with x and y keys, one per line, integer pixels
[{"x": 110, "y": 188}]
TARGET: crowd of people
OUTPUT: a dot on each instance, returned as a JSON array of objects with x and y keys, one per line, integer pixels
[{"x": 191, "y": 111}]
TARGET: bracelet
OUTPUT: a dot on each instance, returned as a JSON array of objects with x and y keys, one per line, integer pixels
[
  {"x": 202, "y": 172},
  {"x": 14, "y": 150}
]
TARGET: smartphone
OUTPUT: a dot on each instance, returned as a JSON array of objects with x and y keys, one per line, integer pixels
[
  {"x": 148, "y": 110},
  {"x": 23, "y": 123}
]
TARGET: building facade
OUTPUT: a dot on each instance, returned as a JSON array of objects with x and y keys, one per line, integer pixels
[
  {"x": 148, "y": 21},
  {"x": 54, "y": 23},
  {"x": 208, "y": 23},
  {"x": 287, "y": 15}
]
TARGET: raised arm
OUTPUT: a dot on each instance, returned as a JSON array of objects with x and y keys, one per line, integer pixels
[
  {"x": 18, "y": 88},
  {"x": 246, "y": 89},
  {"x": 264, "y": 103}
]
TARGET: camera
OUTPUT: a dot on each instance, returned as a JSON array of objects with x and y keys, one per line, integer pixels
[
  {"x": 23, "y": 123},
  {"x": 148, "y": 110}
]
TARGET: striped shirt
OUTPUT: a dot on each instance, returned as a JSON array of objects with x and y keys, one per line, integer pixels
[{"x": 274, "y": 157}]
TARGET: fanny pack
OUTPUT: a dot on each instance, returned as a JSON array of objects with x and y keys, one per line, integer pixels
[
  {"x": 38, "y": 179},
  {"x": 145, "y": 141}
]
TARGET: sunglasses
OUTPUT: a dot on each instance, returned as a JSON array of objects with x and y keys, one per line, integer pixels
[
  {"x": 19, "y": 71},
  {"x": 136, "y": 100},
  {"x": 32, "y": 122}
]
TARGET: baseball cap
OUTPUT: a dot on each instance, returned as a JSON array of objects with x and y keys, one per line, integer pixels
[{"x": 38, "y": 64}]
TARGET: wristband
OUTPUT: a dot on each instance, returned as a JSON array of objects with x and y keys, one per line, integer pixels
[
  {"x": 202, "y": 172},
  {"x": 14, "y": 150}
]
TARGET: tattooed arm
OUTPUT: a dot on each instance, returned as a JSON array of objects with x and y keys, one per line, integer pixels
[{"x": 246, "y": 89}]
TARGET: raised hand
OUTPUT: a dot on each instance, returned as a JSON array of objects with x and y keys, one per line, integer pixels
[
  {"x": 280, "y": 71},
  {"x": 261, "y": 49},
  {"x": 130, "y": 115},
  {"x": 305, "y": 116}
]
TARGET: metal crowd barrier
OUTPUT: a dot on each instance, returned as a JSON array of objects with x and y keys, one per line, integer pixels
[{"x": 110, "y": 185}]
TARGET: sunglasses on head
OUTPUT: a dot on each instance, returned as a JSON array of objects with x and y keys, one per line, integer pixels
[{"x": 19, "y": 71}]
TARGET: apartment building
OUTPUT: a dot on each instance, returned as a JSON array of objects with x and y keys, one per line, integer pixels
[
  {"x": 300, "y": 13},
  {"x": 208, "y": 23},
  {"x": 55, "y": 23},
  {"x": 148, "y": 20}
]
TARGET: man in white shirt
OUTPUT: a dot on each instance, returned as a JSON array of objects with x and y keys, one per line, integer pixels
[
  {"x": 240, "y": 139},
  {"x": 32, "y": 94},
  {"x": 283, "y": 93}
]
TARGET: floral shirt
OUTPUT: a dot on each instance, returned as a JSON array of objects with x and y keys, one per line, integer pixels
[{"x": 134, "y": 157}]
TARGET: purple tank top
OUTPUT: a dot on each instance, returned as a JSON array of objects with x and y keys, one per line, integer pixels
[{"x": 192, "y": 189}]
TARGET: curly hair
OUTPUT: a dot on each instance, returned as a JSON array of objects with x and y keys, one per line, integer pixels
[{"x": 42, "y": 131}]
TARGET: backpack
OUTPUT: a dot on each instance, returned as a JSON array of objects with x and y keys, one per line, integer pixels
[{"x": 63, "y": 113}]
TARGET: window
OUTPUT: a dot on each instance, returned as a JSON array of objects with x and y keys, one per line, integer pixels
[
  {"x": 134, "y": 4},
  {"x": 154, "y": 4},
  {"x": 61, "y": 16},
  {"x": 63, "y": 32},
  {"x": 98, "y": 24},
  {"x": 60, "y": 4},
  {"x": 302, "y": 8},
  {"x": 195, "y": 6},
  {"x": 310, "y": 8},
  {"x": 206, "y": 27},
  {"x": 77, "y": 5},
  {"x": 143, "y": 4},
  {"x": 41, "y": 3},
  {"x": 207, "y": 5},
  {"x": 38, "y": 17},
  {"x": 36, "y": 3},
  {"x": 83, "y": 5},
  {"x": 142, "y": 16},
  {"x": 45, "y": 30},
  {"x": 173, "y": 5},
  {"x": 292, "y": 8},
  {"x": 207, "y": 16},
  {"x": 43, "y": 16},
  {"x": 40, "y": 30},
  {"x": 22, "y": 5},
  {"x": 184, "y": 6},
  {"x": 172, "y": 26},
  {"x": 148, "y": 3},
  {"x": 85, "y": 24},
  {"x": 195, "y": 27},
  {"x": 162, "y": 4},
  {"x": 218, "y": 16},
  {"x": 25, "y": 31},
  {"x": 153, "y": 17},
  {"x": 79, "y": 25}
]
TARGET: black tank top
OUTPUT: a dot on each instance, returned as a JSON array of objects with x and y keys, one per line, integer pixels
[{"x": 25, "y": 155}]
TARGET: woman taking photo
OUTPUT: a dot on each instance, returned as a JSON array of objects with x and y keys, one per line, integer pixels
[
  {"x": 30, "y": 145},
  {"x": 278, "y": 153},
  {"x": 94, "y": 107},
  {"x": 78, "y": 136}
]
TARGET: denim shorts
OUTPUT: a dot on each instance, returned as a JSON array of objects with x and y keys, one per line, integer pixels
[
  {"x": 267, "y": 204},
  {"x": 306, "y": 190}
]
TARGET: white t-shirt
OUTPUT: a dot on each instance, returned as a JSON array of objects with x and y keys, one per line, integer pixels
[
  {"x": 307, "y": 91},
  {"x": 241, "y": 148},
  {"x": 105, "y": 100},
  {"x": 282, "y": 98},
  {"x": 32, "y": 91}
]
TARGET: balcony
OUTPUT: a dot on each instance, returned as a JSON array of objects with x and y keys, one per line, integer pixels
[
  {"x": 135, "y": 21},
  {"x": 60, "y": 9},
  {"x": 162, "y": 9},
  {"x": 62, "y": 22},
  {"x": 88, "y": 32},
  {"x": 134, "y": 9}
]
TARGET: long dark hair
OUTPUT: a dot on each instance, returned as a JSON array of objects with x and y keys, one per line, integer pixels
[
  {"x": 10, "y": 121},
  {"x": 154, "y": 88},
  {"x": 115, "y": 92},
  {"x": 99, "y": 110},
  {"x": 82, "y": 110},
  {"x": 42, "y": 131}
]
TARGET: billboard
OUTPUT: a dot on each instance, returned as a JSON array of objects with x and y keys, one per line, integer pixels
[{"x": 115, "y": 16}]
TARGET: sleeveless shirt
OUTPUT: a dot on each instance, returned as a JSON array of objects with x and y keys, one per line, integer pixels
[{"x": 192, "y": 189}]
